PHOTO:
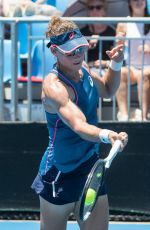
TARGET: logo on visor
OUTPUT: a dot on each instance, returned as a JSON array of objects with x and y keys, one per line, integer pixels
[{"x": 71, "y": 35}]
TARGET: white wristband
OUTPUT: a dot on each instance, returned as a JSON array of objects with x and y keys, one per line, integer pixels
[
  {"x": 116, "y": 66},
  {"x": 103, "y": 135}
]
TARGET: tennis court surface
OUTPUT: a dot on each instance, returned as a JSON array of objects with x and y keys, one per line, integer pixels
[{"x": 34, "y": 225}]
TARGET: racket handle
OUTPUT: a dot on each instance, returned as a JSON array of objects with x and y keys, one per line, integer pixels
[{"x": 113, "y": 152}]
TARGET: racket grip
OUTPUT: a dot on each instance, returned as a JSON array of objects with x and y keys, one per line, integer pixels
[{"x": 113, "y": 152}]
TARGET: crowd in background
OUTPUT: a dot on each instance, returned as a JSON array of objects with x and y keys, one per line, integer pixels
[
  {"x": 103, "y": 8},
  {"x": 139, "y": 72}
]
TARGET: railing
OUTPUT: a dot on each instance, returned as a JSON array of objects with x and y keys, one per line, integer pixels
[{"x": 14, "y": 103}]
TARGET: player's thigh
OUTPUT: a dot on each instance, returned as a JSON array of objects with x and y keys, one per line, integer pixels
[
  {"x": 54, "y": 217},
  {"x": 99, "y": 218}
]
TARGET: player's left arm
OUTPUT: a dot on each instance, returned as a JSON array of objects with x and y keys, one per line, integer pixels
[{"x": 108, "y": 84}]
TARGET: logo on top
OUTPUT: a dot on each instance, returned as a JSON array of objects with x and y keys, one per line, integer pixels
[
  {"x": 71, "y": 35},
  {"x": 90, "y": 80}
]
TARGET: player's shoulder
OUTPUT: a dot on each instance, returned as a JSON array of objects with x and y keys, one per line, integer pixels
[
  {"x": 53, "y": 87},
  {"x": 50, "y": 79}
]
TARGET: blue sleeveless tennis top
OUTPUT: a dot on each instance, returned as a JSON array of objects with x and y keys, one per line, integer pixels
[{"x": 67, "y": 150}]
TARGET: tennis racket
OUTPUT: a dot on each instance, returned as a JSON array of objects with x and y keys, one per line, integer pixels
[{"x": 94, "y": 182}]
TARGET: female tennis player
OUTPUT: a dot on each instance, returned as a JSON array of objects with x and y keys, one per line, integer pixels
[{"x": 70, "y": 97}]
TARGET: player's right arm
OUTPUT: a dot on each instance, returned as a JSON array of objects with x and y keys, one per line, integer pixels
[{"x": 58, "y": 99}]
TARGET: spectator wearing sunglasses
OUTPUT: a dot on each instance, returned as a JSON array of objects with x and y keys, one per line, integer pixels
[
  {"x": 115, "y": 8},
  {"x": 98, "y": 8},
  {"x": 70, "y": 94},
  {"x": 138, "y": 8}
]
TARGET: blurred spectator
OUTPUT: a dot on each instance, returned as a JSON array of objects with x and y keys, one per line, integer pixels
[
  {"x": 115, "y": 8},
  {"x": 138, "y": 8},
  {"x": 19, "y": 8},
  {"x": 98, "y": 8}
]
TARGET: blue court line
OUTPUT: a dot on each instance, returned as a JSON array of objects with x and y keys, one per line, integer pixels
[{"x": 34, "y": 225}]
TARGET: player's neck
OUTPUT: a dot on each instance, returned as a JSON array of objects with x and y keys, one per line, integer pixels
[{"x": 75, "y": 75}]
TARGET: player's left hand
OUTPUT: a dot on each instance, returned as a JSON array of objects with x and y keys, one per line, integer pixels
[
  {"x": 123, "y": 136},
  {"x": 117, "y": 53}
]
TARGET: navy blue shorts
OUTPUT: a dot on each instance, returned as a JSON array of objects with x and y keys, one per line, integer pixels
[{"x": 68, "y": 187}]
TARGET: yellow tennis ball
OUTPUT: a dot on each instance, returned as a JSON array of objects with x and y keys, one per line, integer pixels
[
  {"x": 98, "y": 175},
  {"x": 90, "y": 197}
]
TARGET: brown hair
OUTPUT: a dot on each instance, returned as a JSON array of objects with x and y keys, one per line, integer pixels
[
  {"x": 146, "y": 26},
  {"x": 59, "y": 26}
]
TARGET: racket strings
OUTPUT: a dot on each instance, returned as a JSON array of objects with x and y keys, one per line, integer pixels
[{"x": 94, "y": 185}]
